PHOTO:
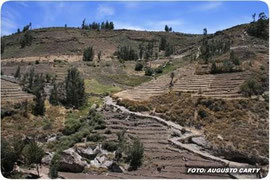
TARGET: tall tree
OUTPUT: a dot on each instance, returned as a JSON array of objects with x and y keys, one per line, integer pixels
[
  {"x": 166, "y": 28},
  {"x": 75, "y": 90},
  {"x": 18, "y": 73},
  {"x": 33, "y": 154}
]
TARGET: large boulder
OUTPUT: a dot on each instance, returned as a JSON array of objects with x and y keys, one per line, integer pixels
[
  {"x": 114, "y": 167},
  {"x": 47, "y": 158},
  {"x": 71, "y": 161},
  {"x": 88, "y": 152}
]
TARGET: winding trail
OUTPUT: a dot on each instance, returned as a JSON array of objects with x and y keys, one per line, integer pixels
[{"x": 176, "y": 144}]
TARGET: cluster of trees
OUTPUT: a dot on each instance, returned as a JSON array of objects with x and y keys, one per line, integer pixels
[
  {"x": 259, "y": 28},
  {"x": 25, "y": 28},
  {"x": 126, "y": 53},
  {"x": 26, "y": 39},
  {"x": 257, "y": 84},
  {"x": 212, "y": 47},
  {"x": 71, "y": 92},
  {"x": 165, "y": 46},
  {"x": 146, "y": 51},
  {"x": 88, "y": 54},
  {"x": 98, "y": 26},
  {"x": 16, "y": 150},
  {"x": 3, "y": 45},
  {"x": 230, "y": 65},
  {"x": 34, "y": 83},
  {"x": 167, "y": 28}
]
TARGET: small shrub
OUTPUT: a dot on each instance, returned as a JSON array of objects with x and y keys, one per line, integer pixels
[
  {"x": 33, "y": 154},
  {"x": 251, "y": 87},
  {"x": 138, "y": 66},
  {"x": 148, "y": 71},
  {"x": 71, "y": 126},
  {"x": 202, "y": 113},
  {"x": 88, "y": 54},
  {"x": 159, "y": 70},
  {"x": 95, "y": 138},
  {"x": 37, "y": 61},
  {"x": 110, "y": 146},
  {"x": 108, "y": 131},
  {"x": 53, "y": 171},
  {"x": 135, "y": 154}
]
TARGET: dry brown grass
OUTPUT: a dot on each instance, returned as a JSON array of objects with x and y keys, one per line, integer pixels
[{"x": 243, "y": 124}]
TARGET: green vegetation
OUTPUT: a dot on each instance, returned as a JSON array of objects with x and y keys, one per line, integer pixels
[
  {"x": 97, "y": 26},
  {"x": 39, "y": 107},
  {"x": 138, "y": 66},
  {"x": 53, "y": 171},
  {"x": 126, "y": 53},
  {"x": 26, "y": 39},
  {"x": 135, "y": 154},
  {"x": 148, "y": 71},
  {"x": 75, "y": 89},
  {"x": 255, "y": 85},
  {"x": 33, "y": 154},
  {"x": 18, "y": 73},
  {"x": 259, "y": 28},
  {"x": 93, "y": 86},
  {"x": 3, "y": 45},
  {"x": 162, "y": 44},
  {"x": 88, "y": 54},
  {"x": 168, "y": 50},
  {"x": 167, "y": 28},
  {"x": 129, "y": 80},
  {"x": 212, "y": 47},
  {"x": 8, "y": 157}
]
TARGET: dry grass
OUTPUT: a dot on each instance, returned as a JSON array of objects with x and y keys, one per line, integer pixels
[{"x": 243, "y": 124}]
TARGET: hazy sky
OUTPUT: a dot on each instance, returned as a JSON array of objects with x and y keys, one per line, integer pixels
[{"x": 187, "y": 17}]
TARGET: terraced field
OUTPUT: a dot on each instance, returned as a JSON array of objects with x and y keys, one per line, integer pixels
[
  {"x": 209, "y": 85},
  {"x": 12, "y": 92}
]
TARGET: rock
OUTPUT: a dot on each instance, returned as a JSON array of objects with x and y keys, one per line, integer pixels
[
  {"x": 71, "y": 161},
  {"x": 114, "y": 167},
  {"x": 219, "y": 137},
  {"x": 199, "y": 141},
  {"x": 107, "y": 164},
  {"x": 94, "y": 106},
  {"x": 47, "y": 158},
  {"x": 87, "y": 153},
  {"x": 51, "y": 139}
]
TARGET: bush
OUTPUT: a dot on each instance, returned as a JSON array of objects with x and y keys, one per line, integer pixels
[
  {"x": 110, "y": 146},
  {"x": 95, "y": 137},
  {"x": 33, "y": 154},
  {"x": 202, "y": 113},
  {"x": 126, "y": 53},
  {"x": 135, "y": 154},
  {"x": 53, "y": 171},
  {"x": 7, "y": 157},
  {"x": 75, "y": 89},
  {"x": 139, "y": 66},
  {"x": 251, "y": 87},
  {"x": 159, "y": 69},
  {"x": 26, "y": 39},
  {"x": 148, "y": 71},
  {"x": 168, "y": 50},
  {"x": 71, "y": 126},
  {"x": 88, "y": 54}
]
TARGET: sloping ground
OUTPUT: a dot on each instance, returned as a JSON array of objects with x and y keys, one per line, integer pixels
[
  {"x": 72, "y": 41},
  {"x": 161, "y": 160},
  {"x": 12, "y": 92},
  {"x": 155, "y": 87},
  {"x": 215, "y": 86},
  {"x": 210, "y": 85}
]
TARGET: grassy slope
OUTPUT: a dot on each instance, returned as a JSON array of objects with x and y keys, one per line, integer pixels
[{"x": 58, "y": 41}]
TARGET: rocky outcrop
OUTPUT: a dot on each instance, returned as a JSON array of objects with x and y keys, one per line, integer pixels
[{"x": 71, "y": 161}]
